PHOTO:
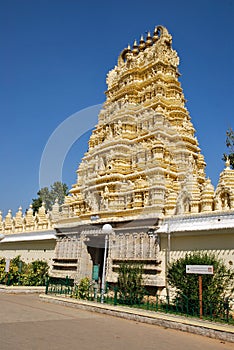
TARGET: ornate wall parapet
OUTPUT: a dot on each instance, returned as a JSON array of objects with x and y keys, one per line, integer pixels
[{"x": 28, "y": 222}]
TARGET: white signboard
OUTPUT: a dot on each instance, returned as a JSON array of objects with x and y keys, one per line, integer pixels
[
  {"x": 7, "y": 267},
  {"x": 200, "y": 269}
]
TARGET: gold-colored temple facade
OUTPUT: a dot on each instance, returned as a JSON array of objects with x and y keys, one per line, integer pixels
[{"x": 143, "y": 157}]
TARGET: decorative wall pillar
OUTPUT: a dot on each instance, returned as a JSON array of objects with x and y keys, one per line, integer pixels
[
  {"x": 126, "y": 245},
  {"x": 84, "y": 262}
]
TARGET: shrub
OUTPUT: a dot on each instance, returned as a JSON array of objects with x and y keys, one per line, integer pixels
[
  {"x": 130, "y": 282},
  {"x": 82, "y": 289},
  {"x": 2, "y": 270},
  {"x": 36, "y": 273},
  {"x": 21, "y": 273},
  {"x": 215, "y": 287}
]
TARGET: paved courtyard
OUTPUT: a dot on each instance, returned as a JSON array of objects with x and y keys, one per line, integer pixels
[{"x": 27, "y": 323}]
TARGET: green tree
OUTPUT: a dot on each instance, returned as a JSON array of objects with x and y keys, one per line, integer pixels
[
  {"x": 57, "y": 191},
  {"x": 230, "y": 146},
  {"x": 36, "y": 273},
  {"x": 130, "y": 284},
  {"x": 44, "y": 195},
  {"x": 216, "y": 287}
]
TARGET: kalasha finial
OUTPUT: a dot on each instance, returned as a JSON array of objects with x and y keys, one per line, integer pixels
[
  {"x": 227, "y": 163},
  {"x": 155, "y": 36},
  {"x": 135, "y": 49},
  {"x": 148, "y": 40},
  {"x": 142, "y": 44}
]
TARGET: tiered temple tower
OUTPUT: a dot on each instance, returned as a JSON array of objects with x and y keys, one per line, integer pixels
[
  {"x": 143, "y": 157},
  {"x": 143, "y": 164}
]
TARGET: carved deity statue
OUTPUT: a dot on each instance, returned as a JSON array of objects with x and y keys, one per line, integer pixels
[{"x": 118, "y": 128}]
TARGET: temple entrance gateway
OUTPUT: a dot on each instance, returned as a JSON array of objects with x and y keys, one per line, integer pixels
[
  {"x": 135, "y": 242},
  {"x": 95, "y": 248}
]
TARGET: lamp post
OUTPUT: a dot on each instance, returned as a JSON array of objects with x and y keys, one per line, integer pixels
[
  {"x": 106, "y": 229},
  {"x": 168, "y": 242},
  {"x": 168, "y": 255}
]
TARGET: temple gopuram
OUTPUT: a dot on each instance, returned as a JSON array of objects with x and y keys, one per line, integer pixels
[{"x": 144, "y": 175}]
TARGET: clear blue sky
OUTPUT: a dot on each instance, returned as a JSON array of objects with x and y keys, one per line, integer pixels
[{"x": 54, "y": 58}]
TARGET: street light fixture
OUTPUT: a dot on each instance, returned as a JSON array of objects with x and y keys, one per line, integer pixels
[
  {"x": 168, "y": 255},
  {"x": 106, "y": 229}
]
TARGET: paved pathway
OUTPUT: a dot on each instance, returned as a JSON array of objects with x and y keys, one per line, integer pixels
[{"x": 26, "y": 323}]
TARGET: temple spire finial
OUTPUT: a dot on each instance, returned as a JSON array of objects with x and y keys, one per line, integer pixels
[
  {"x": 135, "y": 49},
  {"x": 142, "y": 43},
  {"x": 227, "y": 163},
  {"x": 155, "y": 36},
  {"x": 148, "y": 40}
]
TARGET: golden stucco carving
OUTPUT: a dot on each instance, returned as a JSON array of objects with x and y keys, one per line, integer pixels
[{"x": 144, "y": 150}]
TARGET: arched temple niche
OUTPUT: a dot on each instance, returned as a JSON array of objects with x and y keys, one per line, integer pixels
[
  {"x": 224, "y": 194},
  {"x": 183, "y": 205},
  {"x": 224, "y": 199}
]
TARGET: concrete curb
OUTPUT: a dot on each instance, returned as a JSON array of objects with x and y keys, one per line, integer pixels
[
  {"x": 209, "y": 329},
  {"x": 21, "y": 289}
]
